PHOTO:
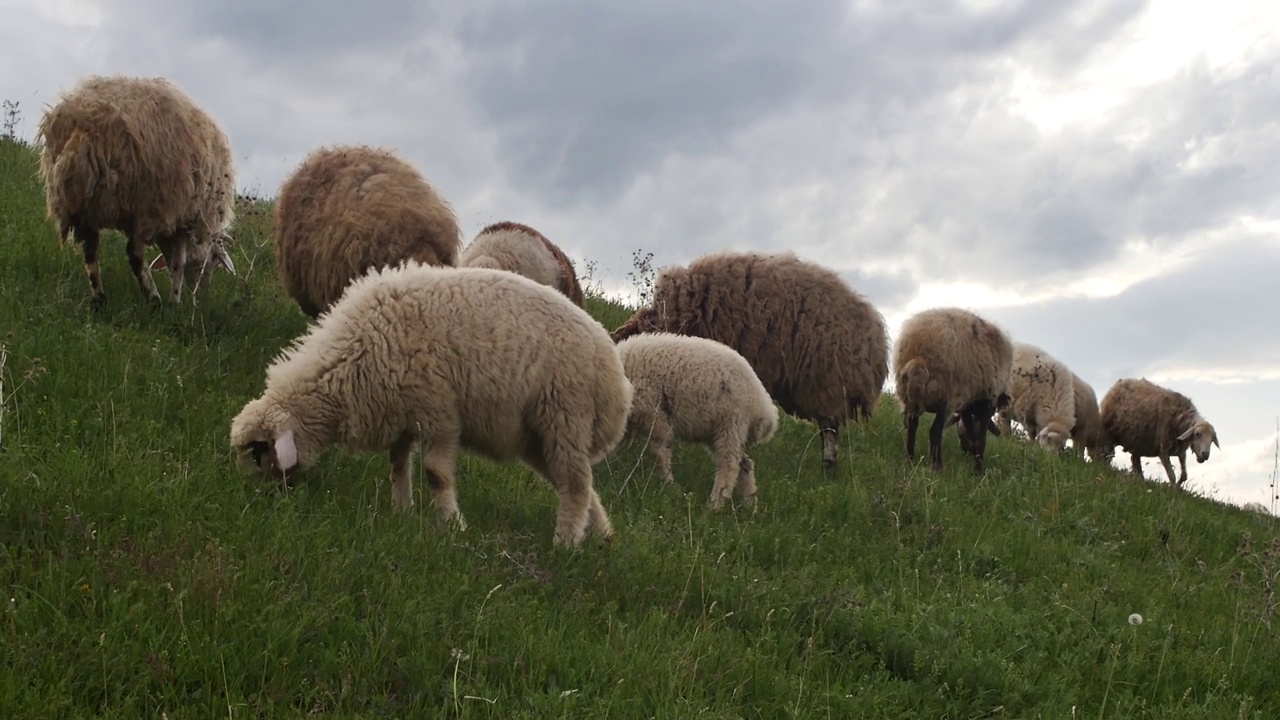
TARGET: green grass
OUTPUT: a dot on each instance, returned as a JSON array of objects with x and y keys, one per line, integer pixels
[{"x": 144, "y": 575}]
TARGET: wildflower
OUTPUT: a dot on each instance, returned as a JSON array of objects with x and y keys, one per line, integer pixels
[{"x": 1135, "y": 619}]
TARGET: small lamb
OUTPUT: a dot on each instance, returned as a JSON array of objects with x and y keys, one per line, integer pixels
[{"x": 702, "y": 391}]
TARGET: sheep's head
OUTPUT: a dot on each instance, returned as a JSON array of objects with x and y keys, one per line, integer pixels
[
  {"x": 266, "y": 439},
  {"x": 1199, "y": 437},
  {"x": 644, "y": 320},
  {"x": 201, "y": 259},
  {"x": 1053, "y": 437}
]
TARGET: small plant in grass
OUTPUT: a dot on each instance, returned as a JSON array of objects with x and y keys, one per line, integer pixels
[
  {"x": 641, "y": 276},
  {"x": 9, "y": 124}
]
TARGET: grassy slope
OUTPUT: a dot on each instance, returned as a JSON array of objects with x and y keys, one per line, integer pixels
[{"x": 143, "y": 574}]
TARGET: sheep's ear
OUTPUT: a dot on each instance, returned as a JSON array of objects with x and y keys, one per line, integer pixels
[
  {"x": 158, "y": 263},
  {"x": 1215, "y": 441},
  {"x": 1186, "y": 435},
  {"x": 952, "y": 419},
  {"x": 286, "y": 451}
]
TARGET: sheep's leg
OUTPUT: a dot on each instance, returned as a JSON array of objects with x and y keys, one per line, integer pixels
[
  {"x": 402, "y": 473},
  {"x": 728, "y": 455},
  {"x": 438, "y": 462},
  {"x": 660, "y": 447},
  {"x": 177, "y": 268},
  {"x": 1136, "y": 463},
  {"x": 89, "y": 239},
  {"x": 935, "y": 439},
  {"x": 978, "y": 425},
  {"x": 1168, "y": 467},
  {"x": 830, "y": 441},
  {"x": 570, "y": 475},
  {"x": 597, "y": 518},
  {"x": 911, "y": 423},
  {"x": 137, "y": 243},
  {"x": 1182, "y": 465},
  {"x": 747, "y": 481}
]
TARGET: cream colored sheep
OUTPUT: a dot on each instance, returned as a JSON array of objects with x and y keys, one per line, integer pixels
[
  {"x": 704, "y": 392},
  {"x": 1148, "y": 420},
  {"x": 1041, "y": 396},
  {"x": 518, "y": 248},
  {"x": 139, "y": 156},
  {"x": 478, "y": 359},
  {"x": 950, "y": 360}
]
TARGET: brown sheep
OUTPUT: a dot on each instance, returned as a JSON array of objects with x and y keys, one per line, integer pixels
[
  {"x": 820, "y": 348},
  {"x": 138, "y": 155},
  {"x": 949, "y": 360},
  {"x": 520, "y": 249},
  {"x": 1148, "y": 420},
  {"x": 347, "y": 209},
  {"x": 1088, "y": 433}
]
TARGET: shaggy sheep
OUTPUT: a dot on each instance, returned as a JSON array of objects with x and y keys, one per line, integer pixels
[
  {"x": 948, "y": 360},
  {"x": 520, "y": 249},
  {"x": 1088, "y": 433},
  {"x": 347, "y": 209},
  {"x": 704, "y": 392},
  {"x": 138, "y": 155},
  {"x": 820, "y": 348},
  {"x": 1042, "y": 397},
  {"x": 1148, "y": 420},
  {"x": 478, "y": 359}
]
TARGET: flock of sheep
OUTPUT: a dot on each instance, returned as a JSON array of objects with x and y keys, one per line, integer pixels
[{"x": 417, "y": 342}]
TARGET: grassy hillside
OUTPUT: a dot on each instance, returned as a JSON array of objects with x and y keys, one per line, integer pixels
[{"x": 144, "y": 575}]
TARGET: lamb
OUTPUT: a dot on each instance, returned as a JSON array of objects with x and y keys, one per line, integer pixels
[
  {"x": 704, "y": 392},
  {"x": 1042, "y": 396},
  {"x": 1088, "y": 433},
  {"x": 819, "y": 348},
  {"x": 349, "y": 208},
  {"x": 1149, "y": 420},
  {"x": 478, "y": 359},
  {"x": 138, "y": 155},
  {"x": 518, "y": 248},
  {"x": 947, "y": 360}
]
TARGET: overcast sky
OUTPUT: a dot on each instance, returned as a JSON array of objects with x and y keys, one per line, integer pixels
[{"x": 1098, "y": 177}]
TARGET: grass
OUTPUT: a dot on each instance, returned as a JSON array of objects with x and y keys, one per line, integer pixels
[{"x": 145, "y": 577}]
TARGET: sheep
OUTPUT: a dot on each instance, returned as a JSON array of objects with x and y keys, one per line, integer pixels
[
  {"x": 470, "y": 358},
  {"x": 818, "y": 347},
  {"x": 137, "y": 155},
  {"x": 1149, "y": 420},
  {"x": 1088, "y": 433},
  {"x": 947, "y": 360},
  {"x": 1042, "y": 397},
  {"x": 349, "y": 208},
  {"x": 1256, "y": 507},
  {"x": 702, "y": 391},
  {"x": 518, "y": 248}
]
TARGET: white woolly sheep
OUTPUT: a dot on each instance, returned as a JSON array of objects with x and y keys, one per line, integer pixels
[
  {"x": 820, "y": 348},
  {"x": 1256, "y": 507},
  {"x": 518, "y": 248},
  {"x": 1088, "y": 433},
  {"x": 1148, "y": 420},
  {"x": 477, "y": 359},
  {"x": 1041, "y": 397},
  {"x": 349, "y": 208},
  {"x": 950, "y": 360},
  {"x": 138, "y": 155},
  {"x": 701, "y": 391}
]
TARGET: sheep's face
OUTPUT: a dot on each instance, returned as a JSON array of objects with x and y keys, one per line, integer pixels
[
  {"x": 1198, "y": 438},
  {"x": 264, "y": 440},
  {"x": 645, "y": 320},
  {"x": 1052, "y": 438}
]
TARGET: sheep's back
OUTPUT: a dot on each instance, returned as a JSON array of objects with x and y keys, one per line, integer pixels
[
  {"x": 521, "y": 249},
  {"x": 1041, "y": 387},
  {"x": 348, "y": 209}
]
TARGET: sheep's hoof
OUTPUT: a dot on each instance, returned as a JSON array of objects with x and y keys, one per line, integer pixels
[
  {"x": 98, "y": 302},
  {"x": 828, "y": 463}
]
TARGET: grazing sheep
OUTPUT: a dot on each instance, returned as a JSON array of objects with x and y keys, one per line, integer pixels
[
  {"x": 520, "y": 249},
  {"x": 1042, "y": 397},
  {"x": 349, "y": 208},
  {"x": 138, "y": 155},
  {"x": 948, "y": 360},
  {"x": 704, "y": 392},
  {"x": 1088, "y": 433},
  {"x": 1148, "y": 420},
  {"x": 1256, "y": 507},
  {"x": 478, "y": 359},
  {"x": 819, "y": 348}
]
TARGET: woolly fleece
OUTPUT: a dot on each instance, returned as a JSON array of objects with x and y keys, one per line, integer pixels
[
  {"x": 701, "y": 391},
  {"x": 1148, "y": 420},
  {"x": 349, "y": 208},
  {"x": 520, "y": 249},
  {"x": 479, "y": 359},
  {"x": 1042, "y": 396},
  {"x": 1087, "y": 433}
]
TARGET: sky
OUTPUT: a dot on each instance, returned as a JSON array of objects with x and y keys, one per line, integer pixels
[{"x": 1099, "y": 178}]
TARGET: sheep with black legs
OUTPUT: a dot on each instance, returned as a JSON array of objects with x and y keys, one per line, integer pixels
[
  {"x": 818, "y": 347},
  {"x": 139, "y": 156},
  {"x": 701, "y": 391},
  {"x": 1148, "y": 420},
  {"x": 949, "y": 360},
  {"x": 477, "y": 359},
  {"x": 351, "y": 208},
  {"x": 520, "y": 249}
]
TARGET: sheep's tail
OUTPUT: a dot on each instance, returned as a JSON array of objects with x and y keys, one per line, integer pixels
[
  {"x": 913, "y": 380},
  {"x": 70, "y": 179}
]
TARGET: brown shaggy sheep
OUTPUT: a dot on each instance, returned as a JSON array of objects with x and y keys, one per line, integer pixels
[
  {"x": 520, "y": 249},
  {"x": 820, "y": 348},
  {"x": 950, "y": 360},
  {"x": 349, "y": 208},
  {"x": 1088, "y": 433},
  {"x": 138, "y": 155},
  {"x": 1148, "y": 420}
]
